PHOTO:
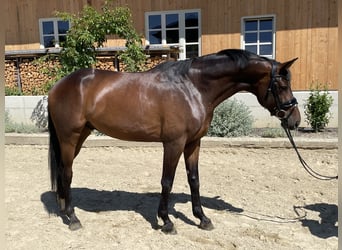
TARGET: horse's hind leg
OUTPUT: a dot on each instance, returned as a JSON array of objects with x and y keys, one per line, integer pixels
[
  {"x": 64, "y": 183},
  {"x": 69, "y": 150},
  {"x": 83, "y": 136},
  {"x": 172, "y": 153},
  {"x": 191, "y": 154}
]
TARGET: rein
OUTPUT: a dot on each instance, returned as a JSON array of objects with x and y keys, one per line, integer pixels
[
  {"x": 280, "y": 112},
  {"x": 308, "y": 169}
]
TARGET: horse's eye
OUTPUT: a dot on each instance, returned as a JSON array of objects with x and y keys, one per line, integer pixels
[
  {"x": 282, "y": 78},
  {"x": 282, "y": 85}
]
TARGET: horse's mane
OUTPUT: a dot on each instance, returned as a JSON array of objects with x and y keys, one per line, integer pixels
[
  {"x": 240, "y": 57},
  {"x": 181, "y": 67},
  {"x": 176, "y": 69},
  {"x": 173, "y": 69}
]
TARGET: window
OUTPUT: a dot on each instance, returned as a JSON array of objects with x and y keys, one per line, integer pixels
[
  {"x": 52, "y": 32},
  {"x": 180, "y": 28},
  {"x": 258, "y": 35}
]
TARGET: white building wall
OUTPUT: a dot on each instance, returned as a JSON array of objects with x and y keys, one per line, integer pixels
[{"x": 20, "y": 109}]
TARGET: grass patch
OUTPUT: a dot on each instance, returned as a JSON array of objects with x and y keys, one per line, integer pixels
[{"x": 273, "y": 133}]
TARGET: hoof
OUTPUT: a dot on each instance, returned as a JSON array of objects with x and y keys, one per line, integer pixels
[
  {"x": 169, "y": 228},
  {"x": 206, "y": 225},
  {"x": 75, "y": 226}
]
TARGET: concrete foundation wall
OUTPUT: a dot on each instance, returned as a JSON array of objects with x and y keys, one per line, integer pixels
[
  {"x": 21, "y": 108},
  {"x": 262, "y": 116}
]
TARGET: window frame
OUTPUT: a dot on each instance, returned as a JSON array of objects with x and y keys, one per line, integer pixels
[
  {"x": 56, "y": 34},
  {"x": 181, "y": 28},
  {"x": 258, "y": 43}
]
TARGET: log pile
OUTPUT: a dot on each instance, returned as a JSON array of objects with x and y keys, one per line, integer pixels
[
  {"x": 29, "y": 78},
  {"x": 105, "y": 63},
  {"x": 10, "y": 75},
  {"x": 35, "y": 78},
  {"x": 108, "y": 63},
  {"x": 154, "y": 61}
]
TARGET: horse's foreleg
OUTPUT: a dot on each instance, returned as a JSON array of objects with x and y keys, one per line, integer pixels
[
  {"x": 64, "y": 183},
  {"x": 191, "y": 154},
  {"x": 172, "y": 153}
]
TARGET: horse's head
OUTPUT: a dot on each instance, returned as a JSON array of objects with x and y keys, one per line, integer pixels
[{"x": 275, "y": 94}]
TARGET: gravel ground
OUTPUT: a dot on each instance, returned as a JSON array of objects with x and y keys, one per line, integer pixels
[{"x": 257, "y": 198}]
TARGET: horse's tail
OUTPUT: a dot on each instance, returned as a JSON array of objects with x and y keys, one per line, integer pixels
[{"x": 54, "y": 154}]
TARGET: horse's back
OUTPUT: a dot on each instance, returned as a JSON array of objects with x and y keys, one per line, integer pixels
[
  {"x": 79, "y": 78},
  {"x": 78, "y": 85}
]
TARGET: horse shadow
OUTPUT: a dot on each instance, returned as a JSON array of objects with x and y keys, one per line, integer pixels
[
  {"x": 325, "y": 227},
  {"x": 146, "y": 204}
]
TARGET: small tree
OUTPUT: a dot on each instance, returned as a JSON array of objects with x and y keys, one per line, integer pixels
[
  {"x": 89, "y": 31},
  {"x": 317, "y": 107}
]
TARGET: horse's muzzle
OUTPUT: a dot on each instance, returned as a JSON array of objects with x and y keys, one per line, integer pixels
[{"x": 291, "y": 118}]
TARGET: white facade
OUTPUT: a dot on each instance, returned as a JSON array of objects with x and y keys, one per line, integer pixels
[{"x": 20, "y": 109}]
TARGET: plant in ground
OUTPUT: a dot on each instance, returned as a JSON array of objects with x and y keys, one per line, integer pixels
[
  {"x": 89, "y": 30},
  {"x": 231, "y": 119},
  {"x": 317, "y": 107}
]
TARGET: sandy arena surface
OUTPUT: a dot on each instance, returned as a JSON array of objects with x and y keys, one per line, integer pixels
[{"x": 257, "y": 198}]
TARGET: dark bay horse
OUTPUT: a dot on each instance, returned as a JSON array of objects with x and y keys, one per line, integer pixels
[{"x": 172, "y": 103}]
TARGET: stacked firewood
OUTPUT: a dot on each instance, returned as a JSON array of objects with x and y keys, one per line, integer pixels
[
  {"x": 33, "y": 77},
  {"x": 109, "y": 63},
  {"x": 29, "y": 78},
  {"x": 10, "y": 74},
  {"x": 154, "y": 61},
  {"x": 105, "y": 63}
]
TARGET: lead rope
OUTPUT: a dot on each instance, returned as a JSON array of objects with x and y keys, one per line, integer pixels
[{"x": 302, "y": 161}]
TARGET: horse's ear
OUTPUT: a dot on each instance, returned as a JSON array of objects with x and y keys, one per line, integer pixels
[{"x": 288, "y": 64}]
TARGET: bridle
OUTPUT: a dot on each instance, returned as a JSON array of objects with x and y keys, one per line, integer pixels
[
  {"x": 280, "y": 111},
  {"x": 281, "y": 107}
]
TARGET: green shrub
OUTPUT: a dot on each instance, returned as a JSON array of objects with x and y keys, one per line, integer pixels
[
  {"x": 317, "y": 107},
  {"x": 231, "y": 119}
]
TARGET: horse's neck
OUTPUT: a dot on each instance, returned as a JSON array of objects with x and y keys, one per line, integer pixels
[{"x": 219, "y": 84}]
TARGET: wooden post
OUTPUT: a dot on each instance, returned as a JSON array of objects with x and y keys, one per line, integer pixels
[
  {"x": 17, "y": 65},
  {"x": 116, "y": 63}
]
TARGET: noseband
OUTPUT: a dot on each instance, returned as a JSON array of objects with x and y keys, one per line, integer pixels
[{"x": 281, "y": 107}]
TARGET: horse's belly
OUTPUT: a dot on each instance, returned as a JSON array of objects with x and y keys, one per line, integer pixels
[
  {"x": 132, "y": 132},
  {"x": 141, "y": 127}
]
